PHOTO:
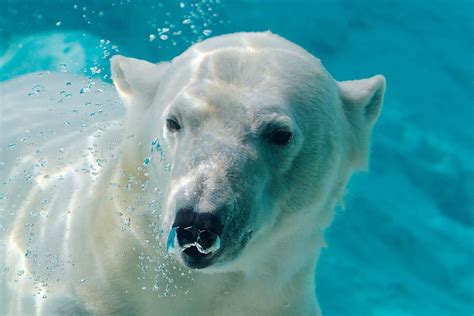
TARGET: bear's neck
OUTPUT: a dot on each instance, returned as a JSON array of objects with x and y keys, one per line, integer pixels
[{"x": 281, "y": 282}]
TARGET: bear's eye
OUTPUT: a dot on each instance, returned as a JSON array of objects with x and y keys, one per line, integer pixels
[
  {"x": 280, "y": 137},
  {"x": 172, "y": 125}
]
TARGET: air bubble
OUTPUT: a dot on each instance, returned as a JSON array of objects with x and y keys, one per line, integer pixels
[
  {"x": 164, "y": 30},
  {"x": 36, "y": 90},
  {"x": 87, "y": 88},
  {"x": 63, "y": 67},
  {"x": 95, "y": 70}
]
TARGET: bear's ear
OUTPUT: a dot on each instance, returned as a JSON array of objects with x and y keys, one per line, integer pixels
[
  {"x": 363, "y": 99},
  {"x": 136, "y": 80}
]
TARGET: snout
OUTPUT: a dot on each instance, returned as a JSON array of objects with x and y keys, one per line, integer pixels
[{"x": 198, "y": 236}]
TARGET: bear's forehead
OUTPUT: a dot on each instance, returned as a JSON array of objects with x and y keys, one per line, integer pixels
[
  {"x": 246, "y": 68},
  {"x": 248, "y": 63},
  {"x": 215, "y": 99},
  {"x": 252, "y": 42},
  {"x": 235, "y": 78},
  {"x": 243, "y": 79}
]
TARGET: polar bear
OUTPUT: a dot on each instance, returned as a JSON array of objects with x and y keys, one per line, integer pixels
[{"x": 209, "y": 196}]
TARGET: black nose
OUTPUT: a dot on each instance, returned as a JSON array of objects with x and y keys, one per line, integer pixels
[{"x": 192, "y": 227}]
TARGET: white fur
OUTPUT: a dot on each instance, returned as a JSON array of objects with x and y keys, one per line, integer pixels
[{"x": 94, "y": 230}]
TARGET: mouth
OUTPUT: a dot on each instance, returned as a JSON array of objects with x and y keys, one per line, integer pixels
[
  {"x": 195, "y": 259},
  {"x": 199, "y": 255},
  {"x": 197, "y": 248},
  {"x": 196, "y": 239}
]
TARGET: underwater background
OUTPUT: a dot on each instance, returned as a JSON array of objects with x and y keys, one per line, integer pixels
[{"x": 404, "y": 242}]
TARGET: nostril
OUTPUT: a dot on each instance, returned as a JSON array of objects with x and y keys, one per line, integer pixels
[
  {"x": 185, "y": 217},
  {"x": 208, "y": 222},
  {"x": 188, "y": 218}
]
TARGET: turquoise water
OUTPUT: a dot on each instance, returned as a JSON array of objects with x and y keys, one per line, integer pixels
[{"x": 404, "y": 244}]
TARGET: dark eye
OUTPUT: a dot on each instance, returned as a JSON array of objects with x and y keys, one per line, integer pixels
[
  {"x": 172, "y": 125},
  {"x": 280, "y": 137}
]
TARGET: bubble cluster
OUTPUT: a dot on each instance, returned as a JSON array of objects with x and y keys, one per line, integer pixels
[{"x": 192, "y": 23}]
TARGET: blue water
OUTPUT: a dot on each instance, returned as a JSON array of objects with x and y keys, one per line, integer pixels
[{"x": 404, "y": 244}]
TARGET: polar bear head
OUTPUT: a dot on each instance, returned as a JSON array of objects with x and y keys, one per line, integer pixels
[{"x": 257, "y": 134}]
